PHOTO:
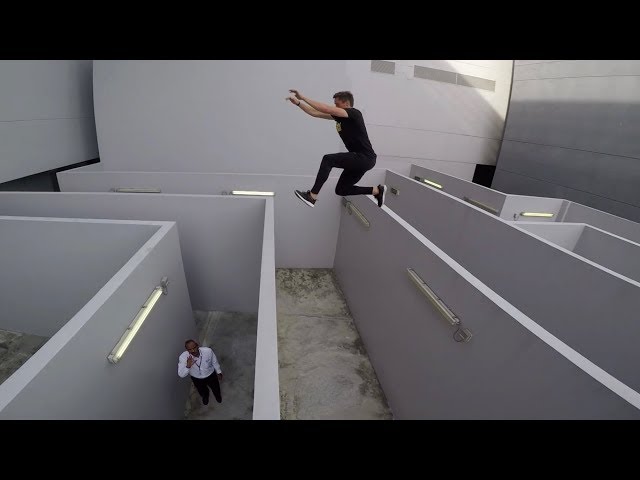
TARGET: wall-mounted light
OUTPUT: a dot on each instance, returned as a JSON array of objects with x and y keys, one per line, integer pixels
[
  {"x": 136, "y": 190},
  {"x": 481, "y": 205},
  {"x": 131, "y": 331},
  {"x": 461, "y": 334},
  {"x": 536, "y": 214},
  {"x": 253, "y": 193},
  {"x": 429, "y": 182},
  {"x": 353, "y": 210}
]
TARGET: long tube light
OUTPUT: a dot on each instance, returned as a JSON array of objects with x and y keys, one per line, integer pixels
[
  {"x": 136, "y": 190},
  {"x": 252, "y": 193},
  {"x": 536, "y": 214},
  {"x": 429, "y": 182},
  {"x": 131, "y": 331},
  {"x": 481, "y": 205}
]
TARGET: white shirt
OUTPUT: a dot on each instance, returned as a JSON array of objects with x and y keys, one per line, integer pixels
[{"x": 203, "y": 366}]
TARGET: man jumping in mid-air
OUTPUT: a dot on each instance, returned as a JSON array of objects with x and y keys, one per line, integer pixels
[{"x": 360, "y": 156}]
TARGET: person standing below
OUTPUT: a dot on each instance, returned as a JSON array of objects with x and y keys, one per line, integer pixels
[
  {"x": 360, "y": 157},
  {"x": 201, "y": 363}
]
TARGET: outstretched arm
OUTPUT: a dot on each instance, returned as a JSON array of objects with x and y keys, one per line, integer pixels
[
  {"x": 309, "y": 110},
  {"x": 321, "y": 107}
]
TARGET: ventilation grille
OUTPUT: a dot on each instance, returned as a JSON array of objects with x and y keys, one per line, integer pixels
[
  {"x": 477, "y": 82},
  {"x": 382, "y": 66},
  {"x": 433, "y": 74},
  {"x": 453, "y": 77}
]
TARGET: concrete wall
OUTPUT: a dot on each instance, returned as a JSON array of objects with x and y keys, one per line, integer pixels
[
  {"x": 512, "y": 368},
  {"x": 572, "y": 133},
  {"x": 52, "y": 267},
  {"x": 578, "y": 213},
  {"x": 221, "y": 237},
  {"x": 565, "y": 235},
  {"x": 46, "y": 116},
  {"x": 610, "y": 251},
  {"x": 70, "y": 377},
  {"x": 435, "y": 122},
  {"x": 230, "y": 116},
  {"x": 304, "y": 238},
  {"x": 460, "y": 187},
  {"x": 213, "y": 116},
  {"x": 573, "y": 298},
  {"x": 266, "y": 396},
  {"x": 498, "y": 203}
]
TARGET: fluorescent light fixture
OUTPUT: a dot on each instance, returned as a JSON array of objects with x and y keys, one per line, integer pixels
[
  {"x": 481, "y": 205},
  {"x": 433, "y": 184},
  {"x": 136, "y": 190},
  {"x": 121, "y": 347},
  {"x": 252, "y": 193},
  {"x": 536, "y": 214},
  {"x": 429, "y": 182}
]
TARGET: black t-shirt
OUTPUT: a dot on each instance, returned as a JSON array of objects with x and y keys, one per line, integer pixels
[{"x": 353, "y": 132}]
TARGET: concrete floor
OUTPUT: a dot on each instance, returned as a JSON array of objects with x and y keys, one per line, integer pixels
[
  {"x": 325, "y": 372},
  {"x": 15, "y": 349},
  {"x": 232, "y": 336}
]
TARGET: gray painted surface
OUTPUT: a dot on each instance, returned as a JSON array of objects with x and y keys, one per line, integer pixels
[
  {"x": 52, "y": 268},
  {"x": 506, "y": 205},
  {"x": 572, "y": 128},
  {"x": 304, "y": 237},
  {"x": 461, "y": 188},
  {"x": 414, "y": 120},
  {"x": 519, "y": 184},
  {"x": 71, "y": 370},
  {"x": 569, "y": 296},
  {"x": 610, "y": 223},
  {"x": 214, "y": 116},
  {"x": 610, "y": 251},
  {"x": 230, "y": 116},
  {"x": 504, "y": 372},
  {"x": 565, "y": 235},
  {"x": 266, "y": 404},
  {"x": 464, "y": 171},
  {"x": 220, "y": 237},
  {"x": 46, "y": 116}
]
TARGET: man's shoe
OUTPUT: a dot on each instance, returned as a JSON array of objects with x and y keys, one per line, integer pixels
[
  {"x": 382, "y": 191},
  {"x": 305, "y": 197}
]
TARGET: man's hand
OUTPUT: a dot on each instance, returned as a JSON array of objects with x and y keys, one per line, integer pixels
[
  {"x": 297, "y": 94},
  {"x": 293, "y": 100},
  {"x": 220, "y": 377},
  {"x": 190, "y": 361}
]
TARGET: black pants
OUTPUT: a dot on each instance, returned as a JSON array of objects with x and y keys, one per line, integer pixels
[
  {"x": 212, "y": 382},
  {"x": 355, "y": 165}
]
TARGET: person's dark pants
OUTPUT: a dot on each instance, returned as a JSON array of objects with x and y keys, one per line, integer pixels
[
  {"x": 355, "y": 165},
  {"x": 211, "y": 381}
]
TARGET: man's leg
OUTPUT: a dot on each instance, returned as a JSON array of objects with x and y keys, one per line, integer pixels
[
  {"x": 201, "y": 387},
  {"x": 214, "y": 383},
  {"x": 347, "y": 185},
  {"x": 353, "y": 163},
  {"x": 334, "y": 160}
]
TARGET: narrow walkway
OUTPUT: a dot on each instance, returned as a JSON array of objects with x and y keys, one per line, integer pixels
[
  {"x": 325, "y": 372},
  {"x": 232, "y": 336}
]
